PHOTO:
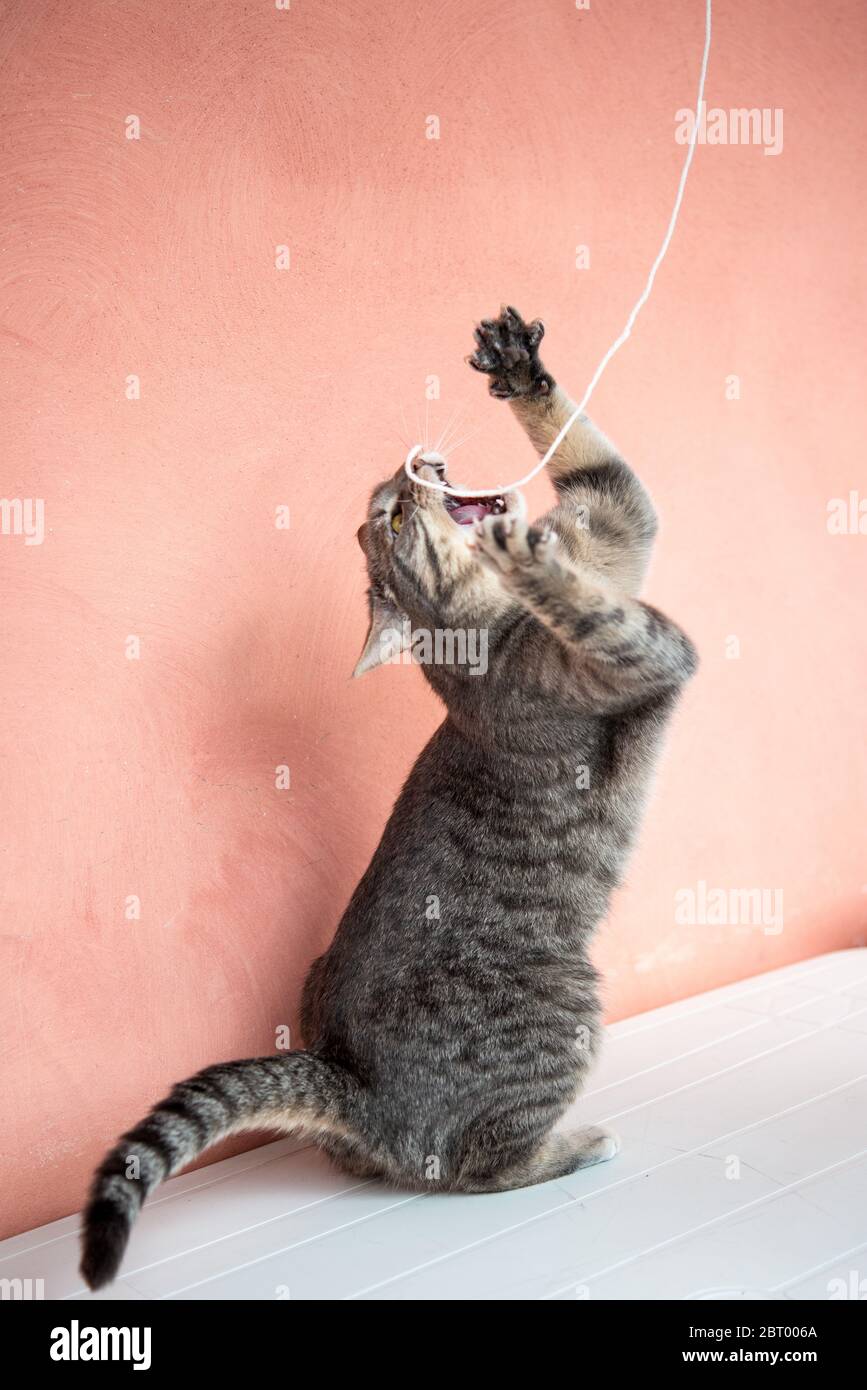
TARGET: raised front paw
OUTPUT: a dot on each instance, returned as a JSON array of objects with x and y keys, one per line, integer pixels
[
  {"x": 507, "y": 349},
  {"x": 509, "y": 546}
]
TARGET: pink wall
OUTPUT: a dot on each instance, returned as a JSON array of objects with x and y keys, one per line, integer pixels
[{"x": 261, "y": 387}]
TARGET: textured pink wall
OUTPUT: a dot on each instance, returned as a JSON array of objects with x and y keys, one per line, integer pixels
[{"x": 261, "y": 387}]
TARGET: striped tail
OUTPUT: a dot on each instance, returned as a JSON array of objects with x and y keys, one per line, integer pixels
[{"x": 294, "y": 1091}]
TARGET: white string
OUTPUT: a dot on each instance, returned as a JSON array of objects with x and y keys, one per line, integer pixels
[{"x": 618, "y": 342}]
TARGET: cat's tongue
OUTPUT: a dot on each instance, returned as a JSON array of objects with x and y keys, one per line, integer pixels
[{"x": 468, "y": 512}]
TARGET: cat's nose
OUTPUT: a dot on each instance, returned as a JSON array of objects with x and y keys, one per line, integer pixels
[
  {"x": 430, "y": 468},
  {"x": 432, "y": 460}
]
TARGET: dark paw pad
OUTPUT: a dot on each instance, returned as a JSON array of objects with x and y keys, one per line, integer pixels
[{"x": 507, "y": 349}]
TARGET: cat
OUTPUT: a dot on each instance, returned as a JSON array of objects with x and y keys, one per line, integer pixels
[{"x": 456, "y": 1014}]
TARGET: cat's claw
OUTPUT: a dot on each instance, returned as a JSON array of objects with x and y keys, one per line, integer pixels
[
  {"x": 507, "y": 350},
  {"x": 507, "y": 543}
]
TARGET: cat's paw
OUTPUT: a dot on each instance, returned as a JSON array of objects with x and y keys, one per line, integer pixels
[
  {"x": 509, "y": 546},
  {"x": 595, "y": 1144},
  {"x": 507, "y": 350}
]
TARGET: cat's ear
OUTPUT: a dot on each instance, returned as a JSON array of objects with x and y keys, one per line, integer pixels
[{"x": 389, "y": 635}]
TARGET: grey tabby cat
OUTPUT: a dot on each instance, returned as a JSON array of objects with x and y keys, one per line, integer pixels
[{"x": 443, "y": 1046}]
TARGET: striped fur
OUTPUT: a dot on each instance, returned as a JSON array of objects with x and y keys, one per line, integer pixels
[
  {"x": 295, "y": 1091},
  {"x": 456, "y": 1013}
]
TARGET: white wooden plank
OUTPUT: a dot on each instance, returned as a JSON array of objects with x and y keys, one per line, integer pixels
[
  {"x": 765, "y": 1078},
  {"x": 618, "y": 1217},
  {"x": 329, "y": 1266},
  {"x": 760, "y": 1249}
]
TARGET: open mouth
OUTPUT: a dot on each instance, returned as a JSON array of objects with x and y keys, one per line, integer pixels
[
  {"x": 467, "y": 510},
  {"x": 464, "y": 511}
]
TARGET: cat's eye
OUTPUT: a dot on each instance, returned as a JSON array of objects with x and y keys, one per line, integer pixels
[{"x": 397, "y": 520}]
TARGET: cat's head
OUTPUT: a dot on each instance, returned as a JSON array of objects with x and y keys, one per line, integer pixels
[{"x": 420, "y": 567}]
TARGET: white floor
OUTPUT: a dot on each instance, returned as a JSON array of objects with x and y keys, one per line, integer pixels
[{"x": 743, "y": 1114}]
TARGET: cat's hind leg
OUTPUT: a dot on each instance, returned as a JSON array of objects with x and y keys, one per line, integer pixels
[{"x": 557, "y": 1155}]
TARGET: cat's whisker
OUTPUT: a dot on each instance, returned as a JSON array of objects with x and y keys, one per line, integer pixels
[
  {"x": 449, "y": 425},
  {"x": 407, "y": 433},
  {"x": 461, "y": 421},
  {"x": 459, "y": 438},
  {"x": 453, "y": 448},
  {"x": 403, "y": 432}
]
